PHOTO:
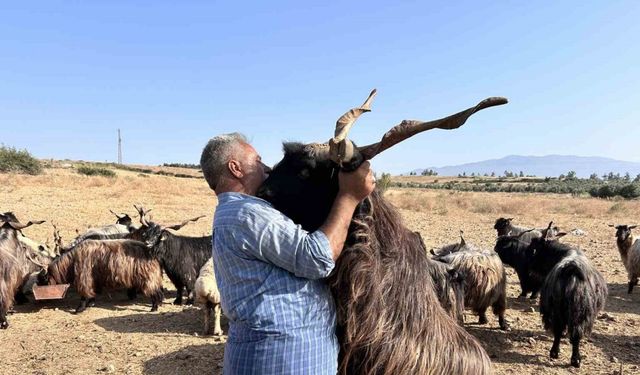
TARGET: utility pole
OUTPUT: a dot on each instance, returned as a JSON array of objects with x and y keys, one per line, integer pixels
[{"x": 119, "y": 148}]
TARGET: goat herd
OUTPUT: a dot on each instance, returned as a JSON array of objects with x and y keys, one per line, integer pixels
[
  {"x": 116, "y": 256},
  {"x": 124, "y": 256}
]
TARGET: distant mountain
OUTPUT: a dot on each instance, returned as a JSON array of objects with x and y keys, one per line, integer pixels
[{"x": 543, "y": 166}]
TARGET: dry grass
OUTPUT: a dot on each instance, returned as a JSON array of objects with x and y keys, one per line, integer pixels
[
  {"x": 45, "y": 340},
  {"x": 74, "y": 201}
]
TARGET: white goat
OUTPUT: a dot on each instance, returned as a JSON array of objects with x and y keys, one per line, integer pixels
[{"x": 207, "y": 294}]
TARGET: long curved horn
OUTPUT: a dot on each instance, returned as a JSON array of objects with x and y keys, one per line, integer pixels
[
  {"x": 340, "y": 149},
  {"x": 409, "y": 128},
  {"x": 178, "y": 226},
  {"x": 118, "y": 216},
  {"x": 142, "y": 212},
  {"x": 19, "y": 226},
  {"x": 522, "y": 233},
  {"x": 547, "y": 231}
]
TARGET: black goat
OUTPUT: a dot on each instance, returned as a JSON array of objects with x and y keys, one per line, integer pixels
[
  {"x": 572, "y": 294},
  {"x": 181, "y": 257},
  {"x": 389, "y": 318},
  {"x": 513, "y": 252}
]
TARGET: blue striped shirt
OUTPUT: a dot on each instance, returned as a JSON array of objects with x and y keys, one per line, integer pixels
[{"x": 270, "y": 271}]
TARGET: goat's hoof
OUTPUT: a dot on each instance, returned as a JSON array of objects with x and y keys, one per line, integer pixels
[
  {"x": 189, "y": 301},
  {"x": 575, "y": 362},
  {"x": 154, "y": 308},
  {"x": 505, "y": 327},
  {"x": 177, "y": 302},
  {"x": 554, "y": 353},
  {"x": 483, "y": 321},
  {"x": 12, "y": 311},
  {"x": 4, "y": 325}
]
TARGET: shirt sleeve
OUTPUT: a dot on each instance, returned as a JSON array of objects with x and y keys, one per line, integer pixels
[{"x": 272, "y": 237}]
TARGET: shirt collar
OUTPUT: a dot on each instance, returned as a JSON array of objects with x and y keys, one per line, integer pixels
[{"x": 232, "y": 196}]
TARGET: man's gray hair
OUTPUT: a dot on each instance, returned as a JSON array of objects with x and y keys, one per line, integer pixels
[{"x": 216, "y": 154}]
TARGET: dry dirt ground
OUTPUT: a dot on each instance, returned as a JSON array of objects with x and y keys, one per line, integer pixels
[{"x": 118, "y": 336}]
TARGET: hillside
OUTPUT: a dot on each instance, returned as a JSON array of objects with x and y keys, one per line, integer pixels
[{"x": 542, "y": 166}]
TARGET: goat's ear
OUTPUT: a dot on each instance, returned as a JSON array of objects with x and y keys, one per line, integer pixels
[
  {"x": 509, "y": 219},
  {"x": 432, "y": 252},
  {"x": 633, "y": 226},
  {"x": 613, "y": 226},
  {"x": 561, "y": 234},
  {"x": 163, "y": 236}
]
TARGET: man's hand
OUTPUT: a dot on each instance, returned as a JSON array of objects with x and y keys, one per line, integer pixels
[
  {"x": 354, "y": 187},
  {"x": 357, "y": 185}
]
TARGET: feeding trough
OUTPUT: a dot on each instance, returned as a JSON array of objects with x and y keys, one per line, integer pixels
[{"x": 48, "y": 292}]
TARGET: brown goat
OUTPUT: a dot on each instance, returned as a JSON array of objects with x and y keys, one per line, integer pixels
[
  {"x": 385, "y": 281},
  {"x": 94, "y": 265},
  {"x": 485, "y": 283},
  {"x": 17, "y": 263}
]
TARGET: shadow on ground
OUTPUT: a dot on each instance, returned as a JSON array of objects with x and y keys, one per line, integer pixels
[
  {"x": 188, "y": 322},
  {"x": 619, "y": 301},
  {"x": 114, "y": 301},
  {"x": 501, "y": 345},
  {"x": 195, "y": 359}
]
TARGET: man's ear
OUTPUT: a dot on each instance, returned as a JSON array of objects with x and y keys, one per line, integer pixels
[{"x": 235, "y": 168}]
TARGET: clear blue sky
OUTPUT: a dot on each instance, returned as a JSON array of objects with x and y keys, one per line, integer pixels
[{"x": 173, "y": 74}]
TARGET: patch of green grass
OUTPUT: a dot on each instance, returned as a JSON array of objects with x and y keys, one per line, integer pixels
[{"x": 19, "y": 161}]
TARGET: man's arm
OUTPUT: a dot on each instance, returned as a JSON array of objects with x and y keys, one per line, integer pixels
[
  {"x": 276, "y": 239},
  {"x": 354, "y": 187}
]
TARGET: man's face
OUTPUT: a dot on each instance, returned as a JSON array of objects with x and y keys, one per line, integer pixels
[{"x": 255, "y": 172}]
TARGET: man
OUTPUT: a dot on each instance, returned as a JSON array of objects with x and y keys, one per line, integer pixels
[{"x": 270, "y": 271}]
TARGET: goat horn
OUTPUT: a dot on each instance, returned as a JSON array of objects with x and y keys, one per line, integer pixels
[
  {"x": 19, "y": 226},
  {"x": 118, "y": 216},
  {"x": 178, "y": 226},
  {"x": 526, "y": 231},
  {"x": 409, "y": 128},
  {"x": 339, "y": 147},
  {"x": 142, "y": 212}
]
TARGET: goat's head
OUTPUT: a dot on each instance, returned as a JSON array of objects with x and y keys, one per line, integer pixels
[
  {"x": 623, "y": 231},
  {"x": 123, "y": 219},
  {"x": 304, "y": 183},
  {"x": 151, "y": 233},
  {"x": 503, "y": 225}
]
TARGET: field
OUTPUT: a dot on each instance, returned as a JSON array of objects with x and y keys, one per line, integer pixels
[{"x": 118, "y": 336}]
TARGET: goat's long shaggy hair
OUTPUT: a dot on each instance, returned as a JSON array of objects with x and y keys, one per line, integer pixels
[
  {"x": 17, "y": 264},
  {"x": 485, "y": 282},
  {"x": 572, "y": 294},
  {"x": 94, "y": 265},
  {"x": 449, "y": 288},
  {"x": 630, "y": 254},
  {"x": 388, "y": 321},
  {"x": 11, "y": 279}
]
